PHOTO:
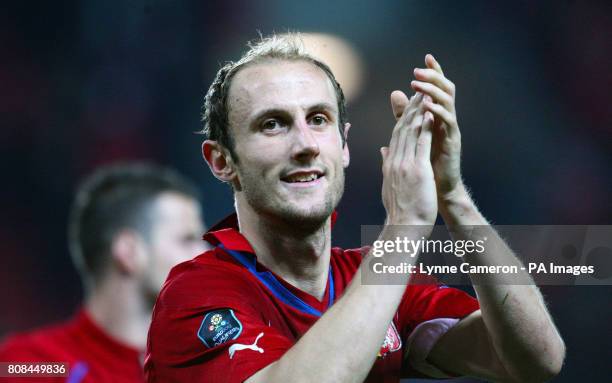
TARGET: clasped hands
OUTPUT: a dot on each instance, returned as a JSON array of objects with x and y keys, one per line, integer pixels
[{"x": 421, "y": 165}]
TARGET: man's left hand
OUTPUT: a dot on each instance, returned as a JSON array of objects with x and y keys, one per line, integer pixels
[{"x": 446, "y": 145}]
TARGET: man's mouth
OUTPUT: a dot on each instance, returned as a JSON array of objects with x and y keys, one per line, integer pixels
[{"x": 303, "y": 176}]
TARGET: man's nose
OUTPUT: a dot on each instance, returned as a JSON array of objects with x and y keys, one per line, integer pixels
[{"x": 305, "y": 145}]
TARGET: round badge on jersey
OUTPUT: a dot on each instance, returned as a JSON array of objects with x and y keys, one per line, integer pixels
[{"x": 218, "y": 327}]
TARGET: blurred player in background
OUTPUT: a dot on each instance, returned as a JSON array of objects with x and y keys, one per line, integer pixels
[
  {"x": 274, "y": 301},
  {"x": 129, "y": 225}
]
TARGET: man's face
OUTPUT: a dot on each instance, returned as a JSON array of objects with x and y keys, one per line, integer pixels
[
  {"x": 284, "y": 120},
  {"x": 175, "y": 237}
]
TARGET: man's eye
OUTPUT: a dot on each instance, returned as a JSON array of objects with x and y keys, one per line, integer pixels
[
  {"x": 270, "y": 124},
  {"x": 318, "y": 120}
]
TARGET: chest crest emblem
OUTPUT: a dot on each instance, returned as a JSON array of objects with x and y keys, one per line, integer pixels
[{"x": 392, "y": 342}]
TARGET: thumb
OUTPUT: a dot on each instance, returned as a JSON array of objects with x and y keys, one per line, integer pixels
[
  {"x": 384, "y": 151},
  {"x": 399, "y": 101}
]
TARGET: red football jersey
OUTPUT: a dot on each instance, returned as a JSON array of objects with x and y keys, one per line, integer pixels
[
  {"x": 223, "y": 316},
  {"x": 91, "y": 354}
]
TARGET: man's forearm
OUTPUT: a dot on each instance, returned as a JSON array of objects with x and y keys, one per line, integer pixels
[
  {"x": 342, "y": 345},
  {"x": 521, "y": 329}
]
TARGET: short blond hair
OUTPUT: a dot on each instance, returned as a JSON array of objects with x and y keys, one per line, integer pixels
[{"x": 287, "y": 46}]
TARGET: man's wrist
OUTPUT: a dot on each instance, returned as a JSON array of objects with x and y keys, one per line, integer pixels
[
  {"x": 456, "y": 195},
  {"x": 413, "y": 228},
  {"x": 457, "y": 207}
]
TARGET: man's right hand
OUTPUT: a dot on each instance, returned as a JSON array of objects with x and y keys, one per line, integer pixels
[{"x": 409, "y": 189}]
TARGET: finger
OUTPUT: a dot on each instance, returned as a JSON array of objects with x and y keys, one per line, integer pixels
[
  {"x": 437, "y": 94},
  {"x": 436, "y": 78},
  {"x": 399, "y": 102},
  {"x": 384, "y": 152},
  {"x": 447, "y": 117},
  {"x": 416, "y": 100},
  {"x": 405, "y": 118},
  {"x": 411, "y": 131},
  {"x": 423, "y": 145},
  {"x": 400, "y": 147},
  {"x": 432, "y": 63},
  {"x": 439, "y": 126},
  {"x": 412, "y": 138},
  {"x": 397, "y": 146},
  {"x": 411, "y": 109}
]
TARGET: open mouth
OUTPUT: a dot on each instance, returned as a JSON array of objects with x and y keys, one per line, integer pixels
[{"x": 302, "y": 177}]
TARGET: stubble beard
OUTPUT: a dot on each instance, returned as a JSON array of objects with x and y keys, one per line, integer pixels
[{"x": 308, "y": 219}]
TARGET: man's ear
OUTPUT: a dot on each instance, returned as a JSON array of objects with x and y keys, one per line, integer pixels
[
  {"x": 219, "y": 161},
  {"x": 346, "y": 157},
  {"x": 128, "y": 252}
]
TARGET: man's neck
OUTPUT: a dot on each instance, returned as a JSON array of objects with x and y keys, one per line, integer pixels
[
  {"x": 299, "y": 255},
  {"x": 116, "y": 305}
]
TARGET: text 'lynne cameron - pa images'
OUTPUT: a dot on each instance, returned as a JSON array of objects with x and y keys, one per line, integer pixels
[{"x": 547, "y": 255}]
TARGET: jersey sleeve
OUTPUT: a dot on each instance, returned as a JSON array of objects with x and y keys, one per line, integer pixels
[
  {"x": 206, "y": 328},
  {"x": 427, "y": 311}
]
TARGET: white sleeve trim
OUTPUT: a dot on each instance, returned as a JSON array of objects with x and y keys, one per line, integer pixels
[{"x": 420, "y": 342}]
